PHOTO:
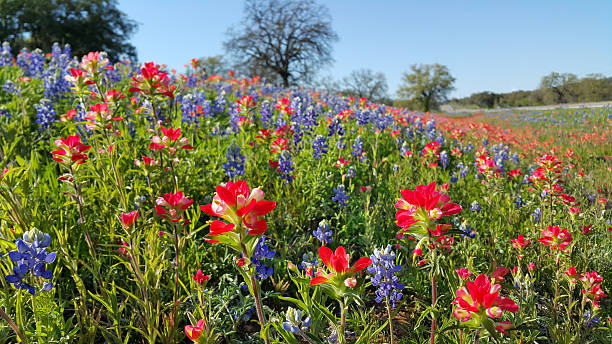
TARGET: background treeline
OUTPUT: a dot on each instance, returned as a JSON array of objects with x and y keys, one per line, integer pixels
[{"x": 555, "y": 88}]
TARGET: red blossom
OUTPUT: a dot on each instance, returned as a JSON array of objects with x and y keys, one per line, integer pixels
[
  {"x": 556, "y": 238},
  {"x": 338, "y": 265},
  {"x": 71, "y": 150},
  {"x": 172, "y": 206}
]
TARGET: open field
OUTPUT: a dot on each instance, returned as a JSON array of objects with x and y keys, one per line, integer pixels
[{"x": 141, "y": 206}]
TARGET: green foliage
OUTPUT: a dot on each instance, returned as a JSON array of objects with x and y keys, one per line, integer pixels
[{"x": 426, "y": 85}]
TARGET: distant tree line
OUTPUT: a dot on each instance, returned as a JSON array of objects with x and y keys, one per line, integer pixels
[{"x": 555, "y": 88}]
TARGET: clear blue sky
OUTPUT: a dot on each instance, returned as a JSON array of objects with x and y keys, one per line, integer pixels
[{"x": 490, "y": 45}]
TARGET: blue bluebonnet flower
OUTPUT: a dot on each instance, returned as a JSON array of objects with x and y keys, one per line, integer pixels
[
  {"x": 220, "y": 102},
  {"x": 333, "y": 337},
  {"x": 111, "y": 76},
  {"x": 404, "y": 149},
  {"x": 266, "y": 113},
  {"x": 10, "y": 87},
  {"x": 309, "y": 260},
  {"x": 384, "y": 268},
  {"x": 335, "y": 127},
  {"x": 467, "y": 230},
  {"x": 45, "y": 114},
  {"x": 453, "y": 178},
  {"x": 31, "y": 258},
  {"x": 444, "y": 158},
  {"x": 294, "y": 322},
  {"x": 475, "y": 206},
  {"x": 518, "y": 202},
  {"x": 56, "y": 86},
  {"x": 323, "y": 233},
  {"x": 340, "y": 143},
  {"x": 260, "y": 254},
  {"x": 440, "y": 139},
  {"x": 590, "y": 320},
  {"x": 285, "y": 166},
  {"x": 6, "y": 57},
  {"x": 246, "y": 316},
  {"x": 430, "y": 130},
  {"x": 351, "y": 172},
  {"x": 358, "y": 147},
  {"x": 4, "y": 112},
  {"x": 32, "y": 63},
  {"x": 468, "y": 148},
  {"x": 235, "y": 162},
  {"x": 319, "y": 147},
  {"x": 537, "y": 214},
  {"x": 340, "y": 196}
]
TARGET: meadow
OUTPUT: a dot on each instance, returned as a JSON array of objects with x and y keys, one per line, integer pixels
[{"x": 138, "y": 205}]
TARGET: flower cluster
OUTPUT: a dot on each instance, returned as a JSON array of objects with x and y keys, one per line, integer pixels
[
  {"x": 260, "y": 254},
  {"x": 242, "y": 208},
  {"x": 340, "y": 196},
  {"x": 556, "y": 238},
  {"x": 235, "y": 162},
  {"x": 384, "y": 269},
  {"x": 31, "y": 257},
  {"x": 323, "y": 233},
  {"x": 591, "y": 282},
  {"x": 479, "y": 300},
  {"x": 151, "y": 82},
  {"x": 419, "y": 209},
  {"x": 340, "y": 273},
  {"x": 172, "y": 206},
  {"x": 431, "y": 154},
  {"x": 294, "y": 322},
  {"x": 71, "y": 152},
  {"x": 171, "y": 140}
]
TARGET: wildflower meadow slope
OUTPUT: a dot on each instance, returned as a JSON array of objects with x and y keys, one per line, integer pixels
[{"x": 138, "y": 205}]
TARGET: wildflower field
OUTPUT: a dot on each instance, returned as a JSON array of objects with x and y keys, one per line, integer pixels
[{"x": 138, "y": 205}]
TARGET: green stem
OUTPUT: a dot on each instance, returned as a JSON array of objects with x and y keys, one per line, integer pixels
[
  {"x": 256, "y": 293},
  {"x": 390, "y": 319},
  {"x": 434, "y": 296},
  {"x": 342, "y": 321},
  {"x": 12, "y": 325}
]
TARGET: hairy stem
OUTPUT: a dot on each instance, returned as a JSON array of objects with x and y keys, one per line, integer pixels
[{"x": 12, "y": 325}]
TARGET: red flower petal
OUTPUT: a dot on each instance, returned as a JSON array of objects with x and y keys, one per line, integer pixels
[
  {"x": 451, "y": 208},
  {"x": 326, "y": 253},
  {"x": 318, "y": 280},
  {"x": 362, "y": 263},
  {"x": 207, "y": 208}
]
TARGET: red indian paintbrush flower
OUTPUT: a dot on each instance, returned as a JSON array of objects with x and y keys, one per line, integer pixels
[
  {"x": 170, "y": 140},
  {"x": 431, "y": 153},
  {"x": 340, "y": 272},
  {"x": 419, "y": 208},
  {"x": 195, "y": 332},
  {"x": 127, "y": 220},
  {"x": 71, "y": 150},
  {"x": 200, "y": 278},
  {"x": 151, "y": 81},
  {"x": 520, "y": 242},
  {"x": 172, "y": 206},
  {"x": 480, "y": 299},
  {"x": 556, "y": 238},
  {"x": 238, "y": 205}
]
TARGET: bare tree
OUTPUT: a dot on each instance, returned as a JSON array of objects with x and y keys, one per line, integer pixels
[
  {"x": 283, "y": 40},
  {"x": 365, "y": 83}
]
